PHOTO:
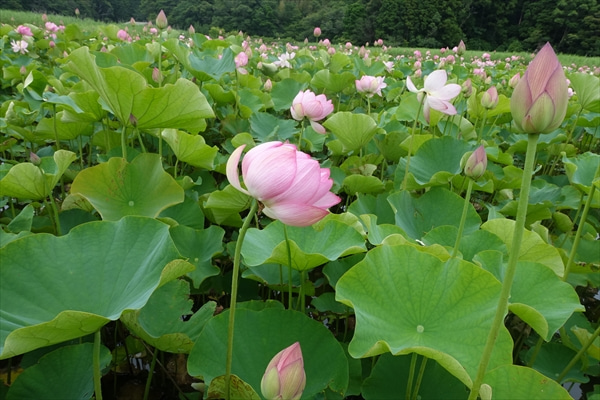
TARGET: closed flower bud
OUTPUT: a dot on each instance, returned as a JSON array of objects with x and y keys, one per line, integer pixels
[
  {"x": 461, "y": 48},
  {"x": 268, "y": 85},
  {"x": 476, "y": 163},
  {"x": 467, "y": 88},
  {"x": 161, "y": 20},
  {"x": 489, "y": 98},
  {"x": 317, "y": 32},
  {"x": 514, "y": 80},
  {"x": 539, "y": 101},
  {"x": 284, "y": 378}
]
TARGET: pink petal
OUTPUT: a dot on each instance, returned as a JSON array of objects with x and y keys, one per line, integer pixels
[
  {"x": 447, "y": 92},
  {"x": 411, "y": 87},
  {"x": 441, "y": 105},
  {"x": 306, "y": 183},
  {"x": 272, "y": 173},
  {"x": 232, "y": 169},
  {"x": 318, "y": 127},
  {"x": 295, "y": 214},
  {"x": 435, "y": 80}
]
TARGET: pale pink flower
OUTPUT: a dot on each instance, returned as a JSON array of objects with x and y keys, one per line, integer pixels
[
  {"x": 292, "y": 187},
  {"x": 241, "y": 59},
  {"x": 315, "y": 108},
  {"x": 284, "y": 60},
  {"x": 19, "y": 46},
  {"x": 284, "y": 378},
  {"x": 24, "y": 30},
  {"x": 123, "y": 35},
  {"x": 51, "y": 27},
  {"x": 153, "y": 31},
  {"x": 370, "y": 85},
  {"x": 437, "y": 94},
  {"x": 317, "y": 32}
]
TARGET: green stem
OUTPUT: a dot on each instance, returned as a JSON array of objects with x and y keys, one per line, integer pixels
[
  {"x": 124, "y": 142},
  {"x": 96, "y": 367},
  {"x": 55, "y": 128},
  {"x": 234, "y": 290},
  {"x": 535, "y": 352},
  {"x": 463, "y": 218},
  {"x": 579, "y": 354},
  {"x": 410, "y": 144},
  {"x": 586, "y": 209},
  {"x": 54, "y": 209},
  {"x": 480, "y": 130},
  {"x": 289, "y": 256},
  {"x": 511, "y": 268},
  {"x": 150, "y": 373},
  {"x": 419, "y": 378},
  {"x": 300, "y": 135},
  {"x": 411, "y": 375}
]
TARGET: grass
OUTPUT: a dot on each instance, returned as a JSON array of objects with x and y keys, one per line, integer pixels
[{"x": 86, "y": 24}]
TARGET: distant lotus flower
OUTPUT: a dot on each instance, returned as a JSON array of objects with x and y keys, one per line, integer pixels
[
  {"x": 539, "y": 101},
  {"x": 326, "y": 43},
  {"x": 156, "y": 75},
  {"x": 153, "y": 31},
  {"x": 291, "y": 185},
  {"x": 161, "y": 20},
  {"x": 132, "y": 21},
  {"x": 19, "y": 46},
  {"x": 191, "y": 30},
  {"x": 489, "y": 98},
  {"x": 44, "y": 17},
  {"x": 241, "y": 59},
  {"x": 476, "y": 164},
  {"x": 284, "y": 60},
  {"x": 24, "y": 30},
  {"x": 317, "y": 32},
  {"x": 51, "y": 26},
  {"x": 123, "y": 35},
  {"x": 315, "y": 108},
  {"x": 370, "y": 85},
  {"x": 77, "y": 12},
  {"x": 284, "y": 378},
  {"x": 514, "y": 80},
  {"x": 268, "y": 85},
  {"x": 437, "y": 93}
]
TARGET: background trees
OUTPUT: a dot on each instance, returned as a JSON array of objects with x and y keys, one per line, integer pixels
[{"x": 573, "y": 26}]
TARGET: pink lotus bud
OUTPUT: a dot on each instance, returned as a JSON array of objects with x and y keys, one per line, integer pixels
[
  {"x": 23, "y": 70},
  {"x": 539, "y": 101},
  {"x": 461, "y": 48},
  {"x": 331, "y": 51},
  {"x": 153, "y": 31},
  {"x": 467, "y": 88},
  {"x": 514, "y": 80},
  {"x": 489, "y": 99},
  {"x": 191, "y": 30},
  {"x": 284, "y": 377},
  {"x": 370, "y": 85},
  {"x": 132, "y": 21},
  {"x": 77, "y": 12},
  {"x": 292, "y": 187},
  {"x": 44, "y": 17},
  {"x": 268, "y": 85},
  {"x": 161, "y": 20},
  {"x": 156, "y": 75},
  {"x": 476, "y": 164},
  {"x": 123, "y": 35},
  {"x": 315, "y": 108},
  {"x": 317, "y": 32},
  {"x": 34, "y": 158}
]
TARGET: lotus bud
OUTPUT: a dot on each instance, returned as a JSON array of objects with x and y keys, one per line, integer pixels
[
  {"x": 191, "y": 30},
  {"x": 161, "y": 20},
  {"x": 317, "y": 32},
  {"x": 284, "y": 377},
  {"x": 34, "y": 158},
  {"x": 489, "y": 98},
  {"x": 268, "y": 85},
  {"x": 467, "y": 88},
  {"x": 156, "y": 75},
  {"x": 77, "y": 12},
  {"x": 514, "y": 80},
  {"x": 461, "y": 48},
  {"x": 476, "y": 163},
  {"x": 133, "y": 120},
  {"x": 539, "y": 101}
]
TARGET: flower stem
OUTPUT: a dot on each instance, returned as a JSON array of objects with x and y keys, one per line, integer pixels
[
  {"x": 511, "y": 268},
  {"x": 578, "y": 355},
  {"x": 124, "y": 142},
  {"x": 411, "y": 375},
  {"x": 289, "y": 256},
  {"x": 150, "y": 373},
  {"x": 419, "y": 378},
  {"x": 234, "y": 290},
  {"x": 96, "y": 366},
  {"x": 463, "y": 218},
  {"x": 410, "y": 144}
]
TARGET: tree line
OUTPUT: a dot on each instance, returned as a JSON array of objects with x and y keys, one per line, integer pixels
[{"x": 572, "y": 26}]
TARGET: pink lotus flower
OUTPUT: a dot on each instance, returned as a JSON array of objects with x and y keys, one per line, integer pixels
[
  {"x": 51, "y": 27},
  {"x": 284, "y": 378},
  {"x": 539, "y": 101},
  {"x": 489, "y": 98},
  {"x": 291, "y": 185},
  {"x": 370, "y": 85},
  {"x": 437, "y": 93},
  {"x": 476, "y": 164},
  {"x": 19, "y": 46},
  {"x": 241, "y": 60},
  {"x": 161, "y": 20},
  {"x": 315, "y": 108},
  {"x": 123, "y": 35},
  {"x": 317, "y": 32},
  {"x": 24, "y": 30}
]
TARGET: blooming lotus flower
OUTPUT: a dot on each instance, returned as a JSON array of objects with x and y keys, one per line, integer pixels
[
  {"x": 284, "y": 378},
  {"x": 291, "y": 185},
  {"x": 24, "y": 30},
  {"x": 370, "y": 85},
  {"x": 241, "y": 59},
  {"x": 315, "y": 108},
  {"x": 489, "y": 98},
  {"x": 19, "y": 46},
  {"x": 284, "y": 60},
  {"x": 123, "y": 35},
  {"x": 539, "y": 101},
  {"x": 476, "y": 164},
  {"x": 437, "y": 93},
  {"x": 51, "y": 26}
]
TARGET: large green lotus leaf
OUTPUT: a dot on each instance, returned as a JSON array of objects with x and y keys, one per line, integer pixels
[
  {"x": 117, "y": 188},
  {"x": 587, "y": 88},
  {"x": 354, "y": 184},
  {"x": 533, "y": 248},
  {"x": 447, "y": 153},
  {"x": 259, "y": 335},
  {"x": 551, "y": 359},
  {"x": 583, "y": 170},
  {"x": 469, "y": 245},
  {"x": 126, "y": 93},
  {"x": 333, "y": 82},
  {"x": 131, "y": 53},
  {"x": 309, "y": 247},
  {"x": 208, "y": 63},
  {"x": 283, "y": 93},
  {"x": 78, "y": 282},
  {"x": 160, "y": 322},
  {"x": 538, "y": 296},
  {"x": 517, "y": 382},
  {"x": 224, "y": 206},
  {"x": 583, "y": 335},
  {"x": 437, "y": 207},
  {"x": 51, "y": 128},
  {"x": 27, "y": 181},
  {"x": 353, "y": 130},
  {"x": 65, "y": 373},
  {"x": 191, "y": 149},
  {"x": 199, "y": 246},
  {"x": 408, "y": 301},
  {"x": 389, "y": 377},
  {"x": 379, "y": 206},
  {"x": 265, "y": 127}
]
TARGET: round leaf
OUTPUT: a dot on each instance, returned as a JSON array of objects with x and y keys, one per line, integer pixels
[
  {"x": 353, "y": 130},
  {"x": 516, "y": 382}
]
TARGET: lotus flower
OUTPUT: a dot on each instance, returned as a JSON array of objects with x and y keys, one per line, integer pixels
[
  {"x": 24, "y": 30},
  {"x": 315, "y": 108},
  {"x": 489, "y": 98},
  {"x": 19, "y": 46},
  {"x": 161, "y": 20},
  {"x": 284, "y": 378},
  {"x": 476, "y": 164},
  {"x": 370, "y": 85},
  {"x": 437, "y": 93},
  {"x": 317, "y": 32},
  {"x": 292, "y": 186},
  {"x": 539, "y": 101}
]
